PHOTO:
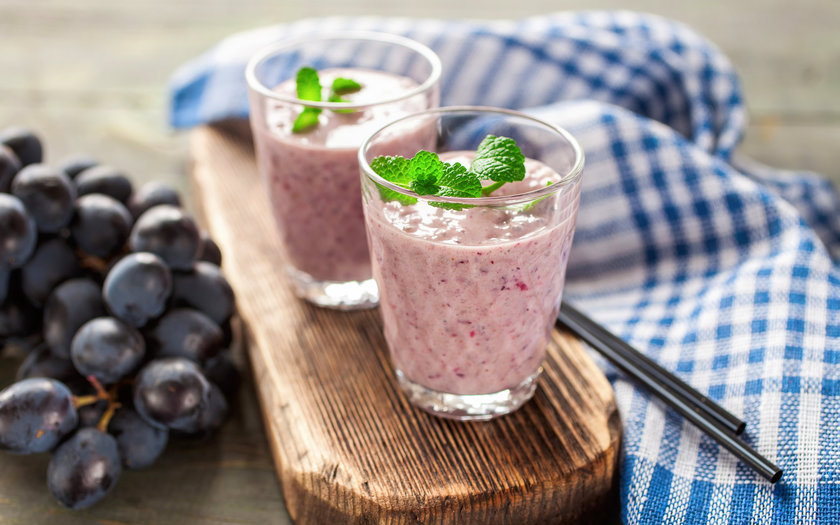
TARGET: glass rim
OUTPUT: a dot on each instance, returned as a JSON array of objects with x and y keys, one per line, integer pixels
[
  {"x": 273, "y": 49},
  {"x": 569, "y": 177}
]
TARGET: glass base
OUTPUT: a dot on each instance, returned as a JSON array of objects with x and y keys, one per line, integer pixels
[
  {"x": 338, "y": 295},
  {"x": 469, "y": 407}
]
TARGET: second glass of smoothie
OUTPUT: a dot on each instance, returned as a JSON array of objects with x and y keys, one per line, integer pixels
[
  {"x": 312, "y": 175},
  {"x": 470, "y": 287}
]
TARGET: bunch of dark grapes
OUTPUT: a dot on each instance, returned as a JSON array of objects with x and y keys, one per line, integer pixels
[{"x": 120, "y": 302}]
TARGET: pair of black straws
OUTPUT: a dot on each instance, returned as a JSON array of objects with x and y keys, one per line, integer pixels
[{"x": 704, "y": 413}]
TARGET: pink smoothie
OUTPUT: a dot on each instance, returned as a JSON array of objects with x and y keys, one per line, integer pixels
[
  {"x": 469, "y": 298},
  {"x": 313, "y": 177}
]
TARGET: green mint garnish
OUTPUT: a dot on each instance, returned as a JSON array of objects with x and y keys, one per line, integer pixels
[
  {"x": 309, "y": 88},
  {"x": 533, "y": 203},
  {"x": 498, "y": 159},
  {"x": 345, "y": 86},
  {"x": 308, "y": 84},
  {"x": 337, "y": 98},
  {"x": 308, "y": 118},
  {"x": 398, "y": 173}
]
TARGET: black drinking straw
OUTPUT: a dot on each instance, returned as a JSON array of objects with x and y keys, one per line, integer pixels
[
  {"x": 704, "y": 413},
  {"x": 598, "y": 337}
]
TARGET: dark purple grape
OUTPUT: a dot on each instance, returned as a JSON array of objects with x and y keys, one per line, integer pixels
[
  {"x": 222, "y": 371},
  {"x": 18, "y": 233},
  {"x": 214, "y": 412},
  {"x": 101, "y": 225},
  {"x": 9, "y": 166},
  {"x": 84, "y": 468},
  {"x": 227, "y": 332},
  {"x": 168, "y": 232},
  {"x": 183, "y": 332},
  {"x": 170, "y": 392},
  {"x": 152, "y": 194},
  {"x": 205, "y": 289},
  {"x": 34, "y": 415},
  {"x": 52, "y": 263},
  {"x": 69, "y": 306},
  {"x": 26, "y": 145},
  {"x": 42, "y": 363},
  {"x": 211, "y": 416},
  {"x": 140, "y": 443},
  {"x": 90, "y": 415},
  {"x": 5, "y": 273},
  {"x": 48, "y": 195},
  {"x": 75, "y": 164},
  {"x": 107, "y": 349},
  {"x": 18, "y": 317},
  {"x": 106, "y": 180},
  {"x": 209, "y": 251},
  {"x": 137, "y": 287}
]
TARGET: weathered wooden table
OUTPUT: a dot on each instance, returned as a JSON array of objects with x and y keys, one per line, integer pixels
[{"x": 91, "y": 76}]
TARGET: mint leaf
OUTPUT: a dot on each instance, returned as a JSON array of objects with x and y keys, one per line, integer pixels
[
  {"x": 395, "y": 170},
  {"x": 345, "y": 86},
  {"x": 425, "y": 169},
  {"x": 308, "y": 84},
  {"x": 392, "y": 169},
  {"x": 498, "y": 159},
  {"x": 388, "y": 194},
  {"x": 457, "y": 181},
  {"x": 309, "y": 87},
  {"x": 337, "y": 98},
  {"x": 426, "y": 174},
  {"x": 308, "y": 118}
]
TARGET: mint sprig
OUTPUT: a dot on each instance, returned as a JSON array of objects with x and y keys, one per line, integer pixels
[
  {"x": 398, "y": 173},
  {"x": 309, "y": 88},
  {"x": 345, "y": 86},
  {"x": 308, "y": 84},
  {"x": 497, "y": 159}
]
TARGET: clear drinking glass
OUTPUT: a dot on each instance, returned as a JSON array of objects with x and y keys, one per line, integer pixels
[
  {"x": 469, "y": 296},
  {"x": 312, "y": 176}
]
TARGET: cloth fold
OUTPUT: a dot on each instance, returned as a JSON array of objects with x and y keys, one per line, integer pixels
[{"x": 723, "y": 270}]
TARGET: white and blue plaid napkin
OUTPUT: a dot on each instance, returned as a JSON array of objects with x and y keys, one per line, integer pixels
[{"x": 722, "y": 270}]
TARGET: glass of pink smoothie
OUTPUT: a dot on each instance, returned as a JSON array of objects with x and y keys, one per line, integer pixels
[
  {"x": 469, "y": 296},
  {"x": 311, "y": 176}
]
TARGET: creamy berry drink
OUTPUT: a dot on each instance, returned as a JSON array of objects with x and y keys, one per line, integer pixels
[
  {"x": 312, "y": 176},
  {"x": 306, "y": 144},
  {"x": 470, "y": 287}
]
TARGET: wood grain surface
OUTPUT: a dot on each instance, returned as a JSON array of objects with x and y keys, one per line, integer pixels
[{"x": 347, "y": 445}]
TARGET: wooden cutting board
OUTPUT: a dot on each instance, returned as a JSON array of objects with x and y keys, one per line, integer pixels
[{"x": 348, "y": 447}]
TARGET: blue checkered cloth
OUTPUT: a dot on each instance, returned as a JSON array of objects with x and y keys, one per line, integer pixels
[{"x": 722, "y": 270}]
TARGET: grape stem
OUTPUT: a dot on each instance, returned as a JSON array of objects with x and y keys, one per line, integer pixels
[
  {"x": 101, "y": 395},
  {"x": 100, "y": 390},
  {"x": 91, "y": 262},
  {"x": 102, "y": 426},
  {"x": 81, "y": 401}
]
